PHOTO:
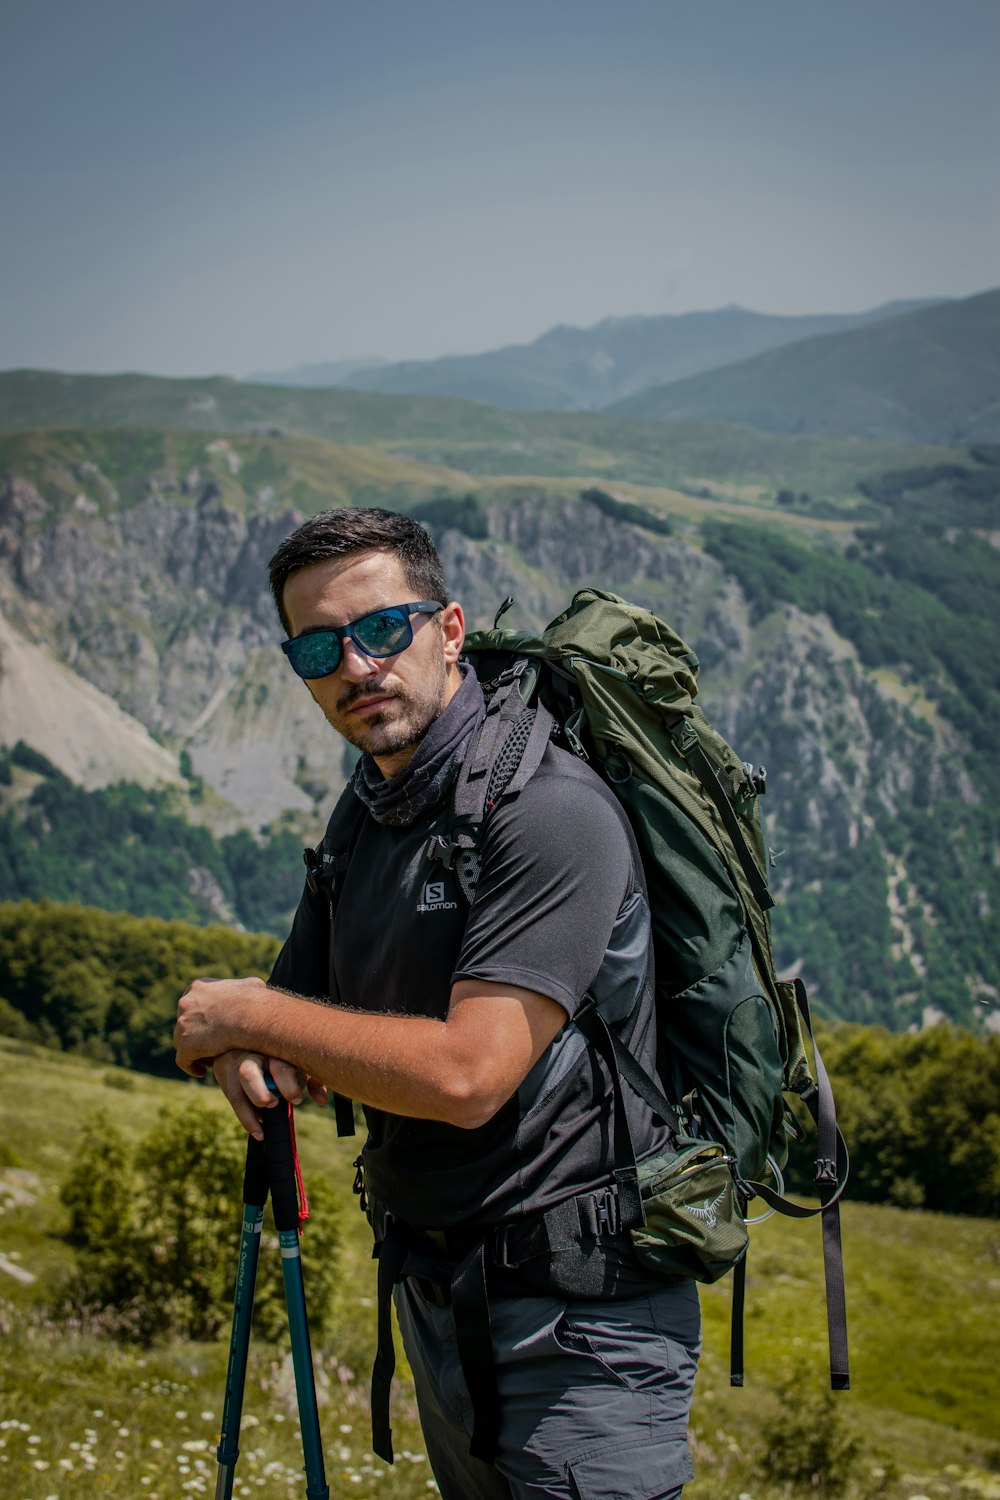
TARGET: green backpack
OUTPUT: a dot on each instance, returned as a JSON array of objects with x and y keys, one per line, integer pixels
[{"x": 614, "y": 684}]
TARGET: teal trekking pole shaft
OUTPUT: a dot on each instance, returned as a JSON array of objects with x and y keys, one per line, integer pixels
[
  {"x": 270, "y": 1167},
  {"x": 254, "y": 1198},
  {"x": 285, "y": 1203}
]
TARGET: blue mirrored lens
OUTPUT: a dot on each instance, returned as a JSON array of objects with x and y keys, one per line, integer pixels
[
  {"x": 382, "y": 633},
  {"x": 315, "y": 655}
]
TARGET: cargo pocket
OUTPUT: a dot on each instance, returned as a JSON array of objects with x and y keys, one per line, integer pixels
[
  {"x": 653, "y": 1470},
  {"x": 630, "y": 1356}
]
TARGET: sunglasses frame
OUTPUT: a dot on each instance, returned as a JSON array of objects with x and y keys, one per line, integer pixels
[{"x": 348, "y": 631}]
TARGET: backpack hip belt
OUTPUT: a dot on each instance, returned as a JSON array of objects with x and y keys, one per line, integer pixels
[{"x": 463, "y": 1268}]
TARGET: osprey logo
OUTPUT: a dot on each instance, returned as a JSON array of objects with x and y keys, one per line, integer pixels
[
  {"x": 706, "y": 1211},
  {"x": 433, "y": 898}
]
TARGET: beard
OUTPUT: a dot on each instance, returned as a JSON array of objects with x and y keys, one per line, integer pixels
[{"x": 399, "y": 724}]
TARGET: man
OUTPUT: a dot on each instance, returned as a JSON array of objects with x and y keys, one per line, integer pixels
[{"x": 489, "y": 1166}]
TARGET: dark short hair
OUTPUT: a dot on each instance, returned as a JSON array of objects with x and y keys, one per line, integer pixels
[{"x": 356, "y": 529}]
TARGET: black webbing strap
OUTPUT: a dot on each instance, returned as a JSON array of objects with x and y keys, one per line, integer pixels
[
  {"x": 490, "y": 771},
  {"x": 624, "y": 1063},
  {"x": 343, "y": 1113},
  {"x": 469, "y": 800},
  {"x": 832, "y": 1170},
  {"x": 474, "y": 1338},
  {"x": 687, "y": 743},
  {"x": 581, "y": 1222},
  {"x": 595, "y": 1029},
  {"x": 832, "y": 1153},
  {"x": 391, "y": 1255},
  {"x": 736, "y": 1360}
]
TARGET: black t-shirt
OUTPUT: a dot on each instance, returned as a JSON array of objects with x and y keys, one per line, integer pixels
[{"x": 560, "y": 909}]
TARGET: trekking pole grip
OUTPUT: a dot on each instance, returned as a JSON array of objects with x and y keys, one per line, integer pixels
[
  {"x": 255, "y": 1174},
  {"x": 280, "y": 1162}
]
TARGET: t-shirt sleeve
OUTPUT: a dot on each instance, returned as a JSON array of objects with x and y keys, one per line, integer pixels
[
  {"x": 556, "y": 868},
  {"x": 303, "y": 965}
]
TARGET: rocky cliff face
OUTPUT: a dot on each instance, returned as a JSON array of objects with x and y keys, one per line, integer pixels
[{"x": 162, "y": 608}]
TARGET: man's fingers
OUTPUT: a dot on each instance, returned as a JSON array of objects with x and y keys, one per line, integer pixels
[
  {"x": 241, "y": 1076},
  {"x": 250, "y": 1074},
  {"x": 227, "y": 1074},
  {"x": 318, "y": 1092},
  {"x": 288, "y": 1079}
]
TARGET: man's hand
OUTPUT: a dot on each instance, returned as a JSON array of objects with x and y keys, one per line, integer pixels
[
  {"x": 209, "y": 1014},
  {"x": 240, "y": 1075},
  {"x": 210, "y": 1017}
]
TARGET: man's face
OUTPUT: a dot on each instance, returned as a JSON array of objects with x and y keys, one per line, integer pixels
[{"x": 386, "y": 705}]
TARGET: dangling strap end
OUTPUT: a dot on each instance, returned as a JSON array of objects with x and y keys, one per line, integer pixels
[
  {"x": 300, "y": 1187},
  {"x": 343, "y": 1111}
]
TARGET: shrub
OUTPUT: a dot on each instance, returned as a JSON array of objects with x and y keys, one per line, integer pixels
[
  {"x": 156, "y": 1230},
  {"x": 807, "y": 1442}
]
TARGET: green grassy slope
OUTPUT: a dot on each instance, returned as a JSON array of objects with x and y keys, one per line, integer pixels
[
  {"x": 459, "y": 435},
  {"x": 922, "y": 1296}
]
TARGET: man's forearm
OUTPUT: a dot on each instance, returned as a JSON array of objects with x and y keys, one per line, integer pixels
[
  {"x": 395, "y": 1063},
  {"x": 459, "y": 1070}
]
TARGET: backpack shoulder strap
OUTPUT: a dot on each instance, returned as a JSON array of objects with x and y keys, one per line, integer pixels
[
  {"x": 327, "y": 863},
  {"x": 326, "y": 866},
  {"x": 505, "y": 753}
]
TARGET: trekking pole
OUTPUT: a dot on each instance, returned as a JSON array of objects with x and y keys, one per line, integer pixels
[
  {"x": 271, "y": 1166},
  {"x": 254, "y": 1198}
]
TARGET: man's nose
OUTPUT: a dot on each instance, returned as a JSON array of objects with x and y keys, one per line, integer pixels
[{"x": 355, "y": 665}]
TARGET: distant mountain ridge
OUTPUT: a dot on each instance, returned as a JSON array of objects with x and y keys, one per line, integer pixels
[
  {"x": 325, "y": 373},
  {"x": 927, "y": 375},
  {"x": 586, "y": 369}
]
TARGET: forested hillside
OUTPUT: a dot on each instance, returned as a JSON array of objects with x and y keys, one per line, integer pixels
[
  {"x": 131, "y": 848},
  {"x": 106, "y": 984}
]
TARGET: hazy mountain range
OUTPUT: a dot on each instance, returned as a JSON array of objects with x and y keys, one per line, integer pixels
[
  {"x": 903, "y": 372},
  {"x": 928, "y": 375},
  {"x": 586, "y": 369}
]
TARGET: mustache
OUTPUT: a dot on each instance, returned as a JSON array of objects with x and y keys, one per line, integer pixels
[{"x": 366, "y": 690}]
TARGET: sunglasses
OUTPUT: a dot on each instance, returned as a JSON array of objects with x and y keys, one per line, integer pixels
[{"x": 384, "y": 632}]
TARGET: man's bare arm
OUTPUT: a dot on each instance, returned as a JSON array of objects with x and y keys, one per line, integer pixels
[{"x": 460, "y": 1070}]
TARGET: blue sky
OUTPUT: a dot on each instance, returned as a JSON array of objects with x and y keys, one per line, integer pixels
[{"x": 200, "y": 186}]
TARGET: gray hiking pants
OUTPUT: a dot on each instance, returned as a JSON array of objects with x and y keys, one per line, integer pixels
[{"x": 594, "y": 1396}]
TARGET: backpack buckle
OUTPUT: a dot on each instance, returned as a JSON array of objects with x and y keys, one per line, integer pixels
[
  {"x": 498, "y": 1248},
  {"x": 826, "y": 1171},
  {"x": 606, "y": 1215},
  {"x": 444, "y": 850},
  {"x": 684, "y": 737}
]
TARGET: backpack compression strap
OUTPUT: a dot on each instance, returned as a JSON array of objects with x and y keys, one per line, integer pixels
[{"x": 686, "y": 743}]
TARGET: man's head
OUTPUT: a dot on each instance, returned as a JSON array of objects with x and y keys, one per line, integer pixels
[
  {"x": 342, "y": 566},
  {"x": 335, "y": 534}
]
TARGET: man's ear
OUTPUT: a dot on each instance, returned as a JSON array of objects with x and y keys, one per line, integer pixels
[{"x": 453, "y": 629}]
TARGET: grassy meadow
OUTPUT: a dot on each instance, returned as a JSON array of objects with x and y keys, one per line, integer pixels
[{"x": 82, "y": 1413}]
